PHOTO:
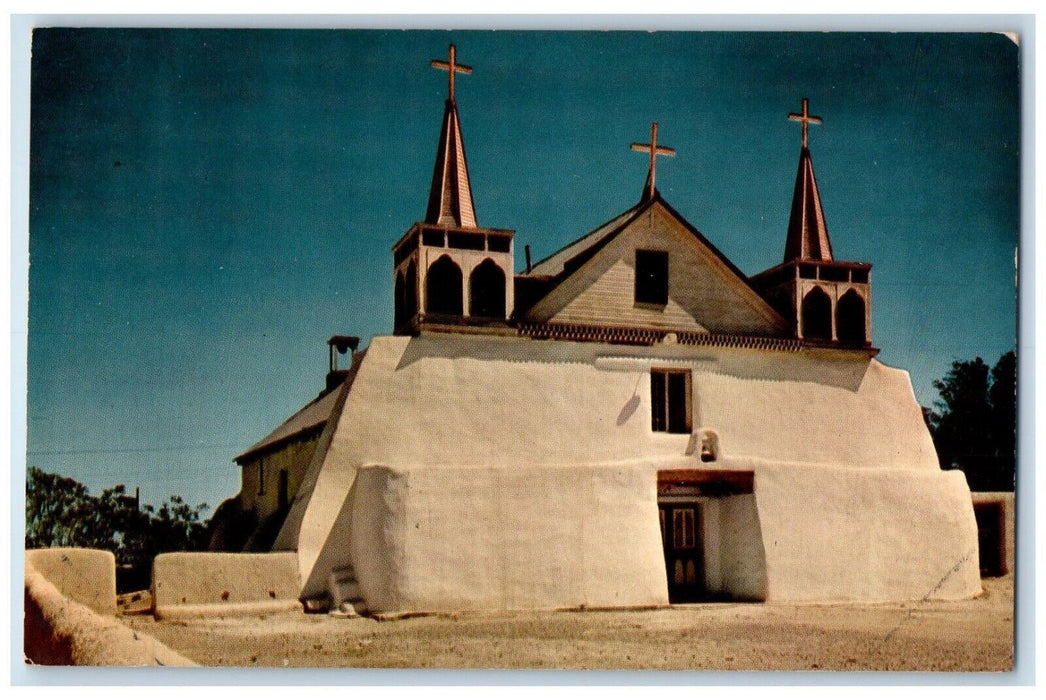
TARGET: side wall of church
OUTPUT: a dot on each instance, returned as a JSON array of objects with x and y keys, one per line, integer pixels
[
  {"x": 260, "y": 491},
  {"x": 445, "y": 539}
]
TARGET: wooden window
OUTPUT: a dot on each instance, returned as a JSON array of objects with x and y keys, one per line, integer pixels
[
  {"x": 670, "y": 400},
  {"x": 651, "y": 277},
  {"x": 261, "y": 476}
]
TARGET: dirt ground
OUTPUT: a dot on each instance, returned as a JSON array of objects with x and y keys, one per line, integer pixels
[{"x": 973, "y": 635}]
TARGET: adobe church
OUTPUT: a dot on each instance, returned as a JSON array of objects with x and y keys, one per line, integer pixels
[{"x": 632, "y": 421}]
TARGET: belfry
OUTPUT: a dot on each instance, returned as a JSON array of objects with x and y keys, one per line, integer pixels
[
  {"x": 450, "y": 272},
  {"x": 828, "y": 301}
]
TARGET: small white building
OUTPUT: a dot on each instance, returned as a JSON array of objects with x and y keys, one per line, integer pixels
[{"x": 632, "y": 421}]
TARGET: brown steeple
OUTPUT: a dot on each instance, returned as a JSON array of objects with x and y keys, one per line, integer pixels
[
  {"x": 450, "y": 197},
  {"x": 807, "y": 231}
]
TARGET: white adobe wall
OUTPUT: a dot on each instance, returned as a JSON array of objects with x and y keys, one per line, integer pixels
[
  {"x": 511, "y": 403},
  {"x": 742, "y": 560},
  {"x": 883, "y": 535},
  {"x": 444, "y": 538}
]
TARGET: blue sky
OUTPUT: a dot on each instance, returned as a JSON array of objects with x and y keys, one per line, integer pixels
[{"x": 208, "y": 207}]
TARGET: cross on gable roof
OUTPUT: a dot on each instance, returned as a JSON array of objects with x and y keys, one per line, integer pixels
[{"x": 654, "y": 151}]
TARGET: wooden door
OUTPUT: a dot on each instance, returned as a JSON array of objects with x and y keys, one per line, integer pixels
[{"x": 684, "y": 554}]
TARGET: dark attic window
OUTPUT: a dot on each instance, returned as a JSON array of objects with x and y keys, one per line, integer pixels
[
  {"x": 652, "y": 277},
  {"x": 670, "y": 400}
]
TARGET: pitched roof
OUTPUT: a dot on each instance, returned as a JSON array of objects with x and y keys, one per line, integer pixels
[
  {"x": 807, "y": 231},
  {"x": 313, "y": 415},
  {"x": 450, "y": 197},
  {"x": 558, "y": 266},
  {"x": 556, "y": 263}
]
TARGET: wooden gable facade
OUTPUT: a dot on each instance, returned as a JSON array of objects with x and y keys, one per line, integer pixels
[{"x": 653, "y": 270}]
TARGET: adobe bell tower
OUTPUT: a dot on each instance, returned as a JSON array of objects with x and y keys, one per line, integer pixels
[
  {"x": 449, "y": 272},
  {"x": 828, "y": 301}
]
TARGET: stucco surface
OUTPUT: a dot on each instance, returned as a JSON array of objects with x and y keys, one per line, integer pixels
[
  {"x": 219, "y": 583},
  {"x": 445, "y": 538},
  {"x": 869, "y": 535},
  {"x": 60, "y": 631},
  {"x": 446, "y": 401},
  {"x": 87, "y": 576}
]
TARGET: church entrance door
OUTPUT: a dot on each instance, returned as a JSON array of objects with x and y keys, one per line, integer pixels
[
  {"x": 710, "y": 534},
  {"x": 684, "y": 551}
]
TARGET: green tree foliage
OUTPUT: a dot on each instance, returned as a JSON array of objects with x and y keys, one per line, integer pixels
[
  {"x": 974, "y": 424},
  {"x": 59, "y": 512}
]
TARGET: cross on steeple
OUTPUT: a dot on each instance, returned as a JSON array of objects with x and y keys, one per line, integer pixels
[
  {"x": 452, "y": 67},
  {"x": 805, "y": 118},
  {"x": 654, "y": 151}
]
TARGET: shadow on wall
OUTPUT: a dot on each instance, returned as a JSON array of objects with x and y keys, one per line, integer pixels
[
  {"x": 844, "y": 370},
  {"x": 334, "y": 554}
]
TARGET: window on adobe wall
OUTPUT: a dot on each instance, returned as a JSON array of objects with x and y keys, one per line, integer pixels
[
  {"x": 670, "y": 400},
  {"x": 261, "y": 476},
  {"x": 652, "y": 277}
]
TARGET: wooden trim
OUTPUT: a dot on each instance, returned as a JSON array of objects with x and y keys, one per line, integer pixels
[{"x": 725, "y": 481}]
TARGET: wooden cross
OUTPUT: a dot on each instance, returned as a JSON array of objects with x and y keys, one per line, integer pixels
[
  {"x": 452, "y": 67},
  {"x": 805, "y": 118},
  {"x": 655, "y": 151}
]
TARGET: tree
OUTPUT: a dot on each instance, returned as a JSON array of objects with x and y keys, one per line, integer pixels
[
  {"x": 975, "y": 420},
  {"x": 59, "y": 512}
]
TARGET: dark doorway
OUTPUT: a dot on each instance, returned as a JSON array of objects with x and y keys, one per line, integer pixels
[
  {"x": 990, "y": 531},
  {"x": 710, "y": 535},
  {"x": 443, "y": 288},
  {"x": 817, "y": 315},
  {"x": 487, "y": 290},
  {"x": 849, "y": 319},
  {"x": 684, "y": 553}
]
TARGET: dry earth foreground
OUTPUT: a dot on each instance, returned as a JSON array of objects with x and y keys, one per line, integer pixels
[{"x": 970, "y": 635}]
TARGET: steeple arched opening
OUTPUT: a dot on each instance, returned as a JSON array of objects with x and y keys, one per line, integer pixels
[
  {"x": 487, "y": 290},
  {"x": 817, "y": 315},
  {"x": 411, "y": 291},
  {"x": 400, "y": 313},
  {"x": 849, "y": 319},
  {"x": 443, "y": 288}
]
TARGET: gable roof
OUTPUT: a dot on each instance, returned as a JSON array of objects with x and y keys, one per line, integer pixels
[
  {"x": 313, "y": 415},
  {"x": 311, "y": 418},
  {"x": 555, "y": 264},
  {"x": 558, "y": 267}
]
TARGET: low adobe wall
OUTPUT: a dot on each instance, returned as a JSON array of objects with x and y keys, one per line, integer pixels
[
  {"x": 851, "y": 534},
  {"x": 206, "y": 584},
  {"x": 62, "y": 632},
  {"x": 87, "y": 576},
  {"x": 444, "y": 538}
]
